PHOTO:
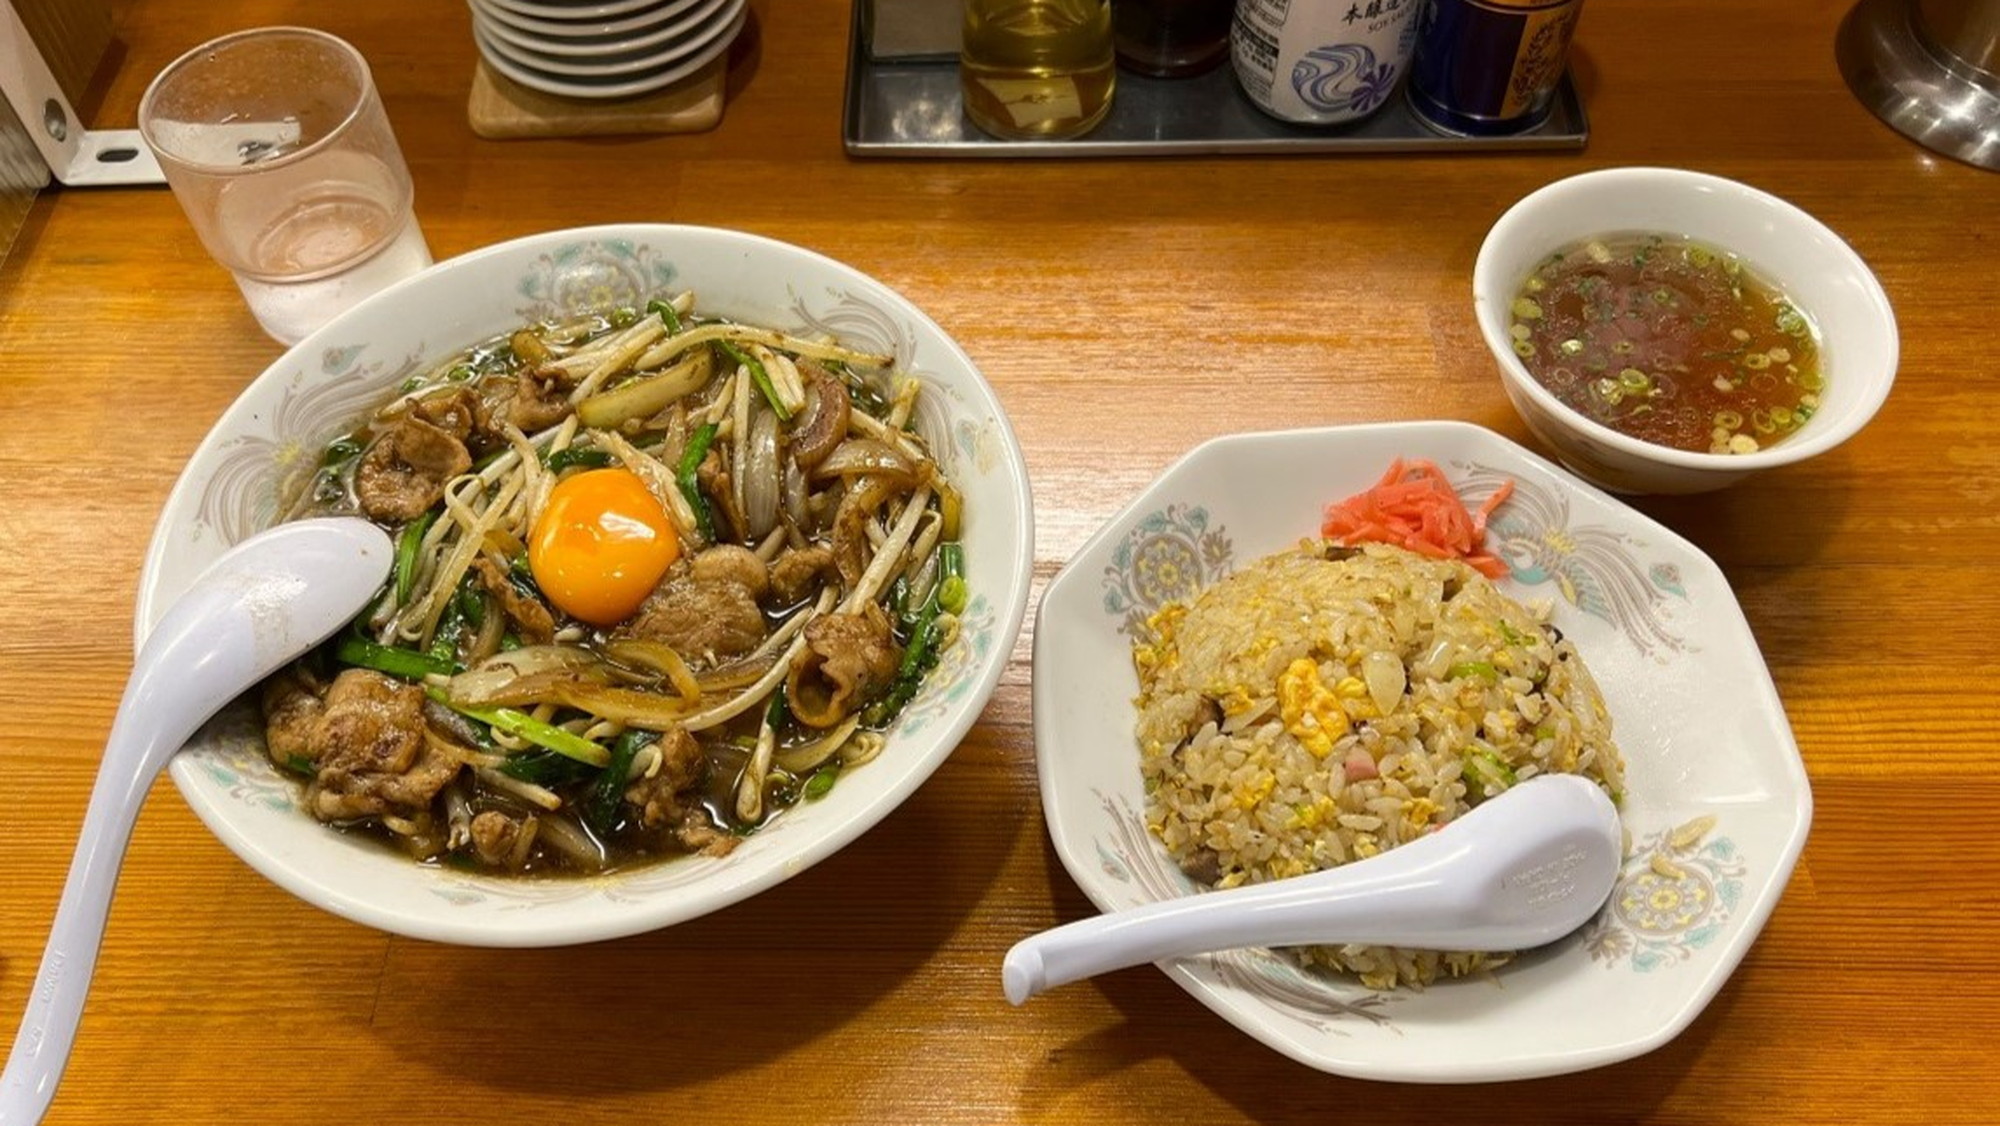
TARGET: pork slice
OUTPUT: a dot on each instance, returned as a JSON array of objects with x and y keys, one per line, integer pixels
[
  {"x": 501, "y": 839},
  {"x": 370, "y": 751},
  {"x": 731, "y": 563},
  {"x": 797, "y": 573},
  {"x": 697, "y": 833},
  {"x": 720, "y": 487},
  {"x": 532, "y": 620},
  {"x": 663, "y": 803},
  {"x": 848, "y": 659},
  {"x": 458, "y": 412},
  {"x": 658, "y": 797},
  {"x": 404, "y": 471},
  {"x": 292, "y": 709},
  {"x": 707, "y": 622},
  {"x": 537, "y": 403}
]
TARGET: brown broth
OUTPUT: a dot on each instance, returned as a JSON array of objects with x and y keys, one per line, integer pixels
[{"x": 1669, "y": 341}]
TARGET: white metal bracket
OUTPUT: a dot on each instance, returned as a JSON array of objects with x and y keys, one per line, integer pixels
[{"x": 76, "y": 156}]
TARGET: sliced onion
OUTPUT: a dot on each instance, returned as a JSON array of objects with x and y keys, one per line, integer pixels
[
  {"x": 510, "y": 678},
  {"x": 527, "y": 791},
  {"x": 800, "y": 759},
  {"x": 458, "y": 752},
  {"x": 537, "y": 658},
  {"x": 851, "y": 549},
  {"x": 487, "y": 690},
  {"x": 630, "y": 707},
  {"x": 759, "y": 476},
  {"x": 867, "y": 455},
  {"x": 575, "y": 843},
  {"x": 492, "y": 631},
  {"x": 733, "y": 676},
  {"x": 951, "y": 506},
  {"x": 503, "y": 543},
  {"x": 646, "y": 395},
  {"x": 449, "y": 723},
  {"x": 1383, "y": 673},
  {"x": 798, "y": 498},
  {"x": 658, "y": 657}
]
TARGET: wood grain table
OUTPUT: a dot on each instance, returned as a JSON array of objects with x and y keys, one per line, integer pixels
[{"x": 1125, "y": 311}]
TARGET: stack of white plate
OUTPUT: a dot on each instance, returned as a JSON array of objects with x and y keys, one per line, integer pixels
[{"x": 603, "y": 48}]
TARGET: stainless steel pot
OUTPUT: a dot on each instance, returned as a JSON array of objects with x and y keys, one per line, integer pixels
[{"x": 1931, "y": 70}]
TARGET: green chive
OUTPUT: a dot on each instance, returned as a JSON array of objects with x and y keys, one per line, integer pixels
[
  {"x": 545, "y": 768},
  {"x": 340, "y": 450},
  {"x": 822, "y": 780},
  {"x": 684, "y": 476},
  {"x": 409, "y": 545},
  {"x": 758, "y": 376},
  {"x": 1482, "y": 669},
  {"x": 601, "y": 812},
  {"x": 525, "y": 726},
  {"x": 571, "y": 456},
  {"x": 409, "y": 664},
  {"x": 952, "y": 591}
]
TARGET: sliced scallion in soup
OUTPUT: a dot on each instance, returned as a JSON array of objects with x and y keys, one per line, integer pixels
[{"x": 1669, "y": 341}]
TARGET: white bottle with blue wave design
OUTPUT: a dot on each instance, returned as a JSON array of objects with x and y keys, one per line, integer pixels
[{"x": 1322, "y": 62}]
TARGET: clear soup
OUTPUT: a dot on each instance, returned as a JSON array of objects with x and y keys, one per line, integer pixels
[{"x": 1669, "y": 341}]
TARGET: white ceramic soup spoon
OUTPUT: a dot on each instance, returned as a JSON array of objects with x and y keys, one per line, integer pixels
[
  {"x": 1520, "y": 870},
  {"x": 260, "y": 605}
]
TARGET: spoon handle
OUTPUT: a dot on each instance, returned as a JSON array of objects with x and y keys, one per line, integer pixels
[
  {"x": 56, "y": 997},
  {"x": 1364, "y": 903},
  {"x": 1518, "y": 871},
  {"x": 257, "y": 606},
  {"x": 194, "y": 661}
]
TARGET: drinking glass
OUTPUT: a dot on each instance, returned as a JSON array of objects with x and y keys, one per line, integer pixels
[{"x": 276, "y": 145}]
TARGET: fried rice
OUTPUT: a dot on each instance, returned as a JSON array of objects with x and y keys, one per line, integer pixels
[{"x": 1328, "y": 703}]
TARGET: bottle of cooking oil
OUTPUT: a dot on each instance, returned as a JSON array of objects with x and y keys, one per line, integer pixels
[{"x": 1037, "y": 69}]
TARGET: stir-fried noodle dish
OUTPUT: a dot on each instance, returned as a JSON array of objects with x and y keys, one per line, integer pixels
[{"x": 658, "y": 577}]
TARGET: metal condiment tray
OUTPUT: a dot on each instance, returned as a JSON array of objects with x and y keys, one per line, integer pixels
[{"x": 911, "y": 108}]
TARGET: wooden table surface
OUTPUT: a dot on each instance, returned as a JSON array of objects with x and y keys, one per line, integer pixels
[{"x": 1125, "y": 310}]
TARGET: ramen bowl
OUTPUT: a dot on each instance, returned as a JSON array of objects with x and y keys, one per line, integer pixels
[
  {"x": 269, "y": 440},
  {"x": 1811, "y": 265},
  {"x": 1716, "y": 803}
]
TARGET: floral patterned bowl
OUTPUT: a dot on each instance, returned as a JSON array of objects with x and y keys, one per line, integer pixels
[
  {"x": 269, "y": 440},
  {"x": 1717, "y": 806}
]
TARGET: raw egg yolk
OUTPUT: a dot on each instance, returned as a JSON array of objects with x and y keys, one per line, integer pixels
[{"x": 601, "y": 545}]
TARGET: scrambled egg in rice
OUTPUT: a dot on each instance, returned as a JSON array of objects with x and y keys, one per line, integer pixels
[{"x": 1328, "y": 703}]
